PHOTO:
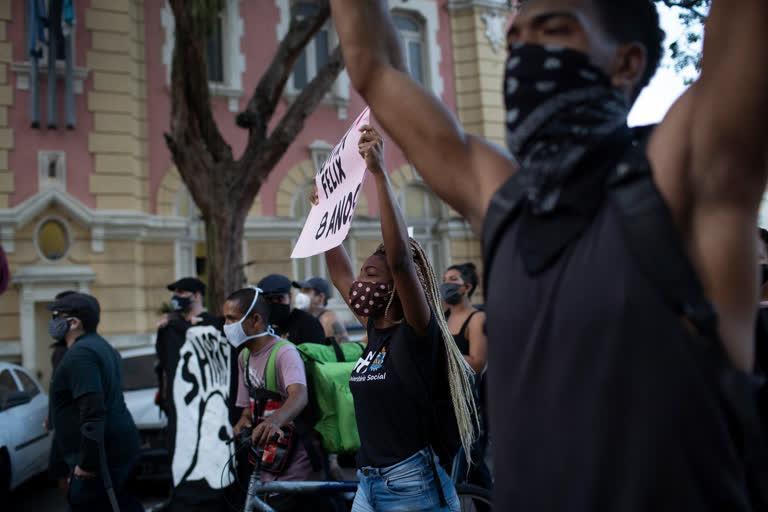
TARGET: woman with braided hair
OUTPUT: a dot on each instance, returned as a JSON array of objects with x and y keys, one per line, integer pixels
[{"x": 410, "y": 367}]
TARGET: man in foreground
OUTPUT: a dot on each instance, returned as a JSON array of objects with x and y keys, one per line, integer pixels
[
  {"x": 88, "y": 411},
  {"x": 247, "y": 317},
  {"x": 613, "y": 398}
]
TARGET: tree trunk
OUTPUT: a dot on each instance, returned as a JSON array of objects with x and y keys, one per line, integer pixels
[
  {"x": 222, "y": 187},
  {"x": 224, "y": 231}
]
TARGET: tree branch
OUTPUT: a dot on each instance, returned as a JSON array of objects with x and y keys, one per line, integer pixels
[
  {"x": 266, "y": 155},
  {"x": 191, "y": 114},
  {"x": 267, "y": 94}
]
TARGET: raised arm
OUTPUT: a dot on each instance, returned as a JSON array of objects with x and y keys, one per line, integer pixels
[
  {"x": 419, "y": 123},
  {"x": 710, "y": 161},
  {"x": 395, "y": 233}
]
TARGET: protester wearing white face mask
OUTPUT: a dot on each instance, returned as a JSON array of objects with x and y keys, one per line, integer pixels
[
  {"x": 315, "y": 292},
  {"x": 247, "y": 325}
]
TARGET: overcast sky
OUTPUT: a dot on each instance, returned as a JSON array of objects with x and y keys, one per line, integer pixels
[{"x": 668, "y": 84}]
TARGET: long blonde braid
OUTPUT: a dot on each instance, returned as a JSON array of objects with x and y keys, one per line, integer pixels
[{"x": 458, "y": 369}]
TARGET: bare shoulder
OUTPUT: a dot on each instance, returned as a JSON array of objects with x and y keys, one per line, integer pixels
[
  {"x": 477, "y": 322},
  {"x": 716, "y": 216}
]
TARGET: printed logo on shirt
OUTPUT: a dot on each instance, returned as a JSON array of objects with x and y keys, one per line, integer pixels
[
  {"x": 363, "y": 364},
  {"x": 372, "y": 361},
  {"x": 378, "y": 361}
]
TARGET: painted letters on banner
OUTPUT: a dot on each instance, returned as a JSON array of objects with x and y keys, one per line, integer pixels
[
  {"x": 338, "y": 188},
  {"x": 200, "y": 397}
]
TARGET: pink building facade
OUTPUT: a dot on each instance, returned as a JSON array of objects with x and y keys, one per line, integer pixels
[{"x": 101, "y": 208}]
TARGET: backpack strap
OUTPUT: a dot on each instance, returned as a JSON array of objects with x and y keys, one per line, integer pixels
[
  {"x": 504, "y": 207},
  {"x": 245, "y": 354},
  {"x": 658, "y": 251},
  {"x": 652, "y": 237},
  {"x": 270, "y": 375}
]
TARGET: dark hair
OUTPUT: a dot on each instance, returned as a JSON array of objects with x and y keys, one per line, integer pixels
[
  {"x": 468, "y": 273},
  {"x": 764, "y": 236},
  {"x": 244, "y": 297},
  {"x": 628, "y": 21}
]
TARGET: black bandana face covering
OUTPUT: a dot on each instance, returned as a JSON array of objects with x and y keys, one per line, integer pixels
[
  {"x": 558, "y": 103},
  {"x": 562, "y": 112}
]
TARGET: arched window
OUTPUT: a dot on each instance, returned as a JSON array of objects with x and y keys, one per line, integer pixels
[
  {"x": 418, "y": 203},
  {"x": 304, "y": 268},
  {"x": 300, "y": 205},
  {"x": 411, "y": 30},
  {"x": 192, "y": 252}
]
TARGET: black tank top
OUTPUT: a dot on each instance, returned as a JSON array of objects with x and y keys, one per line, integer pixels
[
  {"x": 389, "y": 396},
  {"x": 461, "y": 338},
  {"x": 604, "y": 400}
]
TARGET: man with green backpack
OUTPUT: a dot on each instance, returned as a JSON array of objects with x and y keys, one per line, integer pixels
[{"x": 272, "y": 390}]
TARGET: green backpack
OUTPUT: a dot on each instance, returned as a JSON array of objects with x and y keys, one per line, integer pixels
[
  {"x": 328, "y": 369},
  {"x": 328, "y": 387}
]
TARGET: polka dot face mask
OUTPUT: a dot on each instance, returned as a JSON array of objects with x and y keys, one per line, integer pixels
[{"x": 367, "y": 298}]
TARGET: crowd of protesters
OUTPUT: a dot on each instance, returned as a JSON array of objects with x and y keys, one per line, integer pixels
[
  {"x": 621, "y": 295},
  {"x": 213, "y": 380}
]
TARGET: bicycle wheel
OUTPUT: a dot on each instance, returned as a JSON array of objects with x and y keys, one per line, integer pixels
[{"x": 473, "y": 498}]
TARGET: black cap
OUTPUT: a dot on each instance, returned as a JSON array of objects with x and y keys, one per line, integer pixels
[
  {"x": 83, "y": 306},
  {"x": 188, "y": 284},
  {"x": 318, "y": 284},
  {"x": 275, "y": 284}
]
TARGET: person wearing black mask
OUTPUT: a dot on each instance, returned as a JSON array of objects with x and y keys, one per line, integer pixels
[
  {"x": 467, "y": 325},
  {"x": 57, "y": 467},
  {"x": 87, "y": 398},
  {"x": 611, "y": 387},
  {"x": 293, "y": 324},
  {"x": 188, "y": 309},
  {"x": 465, "y": 321},
  {"x": 196, "y": 366}
]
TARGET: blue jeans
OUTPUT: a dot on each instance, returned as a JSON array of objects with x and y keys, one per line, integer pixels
[{"x": 406, "y": 486}]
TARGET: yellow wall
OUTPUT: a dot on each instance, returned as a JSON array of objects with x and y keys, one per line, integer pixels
[
  {"x": 270, "y": 257},
  {"x": 118, "y": 103},
  {"x": 479, "y": 72},
  {"x": 130, "y": 284}
]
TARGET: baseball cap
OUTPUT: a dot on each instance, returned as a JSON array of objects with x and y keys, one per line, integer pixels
[
  {"x": 83, "y": 306},
  {"x": 188, "y": 284},
  {"x": 275, "y": 284},
  {"x": 318, "y": 284}
]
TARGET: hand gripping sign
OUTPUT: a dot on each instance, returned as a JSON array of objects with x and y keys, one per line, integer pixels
[{"x": 338, "y": 188}]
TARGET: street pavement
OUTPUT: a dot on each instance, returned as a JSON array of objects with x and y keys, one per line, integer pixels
[{"x": 41, "y": 495}]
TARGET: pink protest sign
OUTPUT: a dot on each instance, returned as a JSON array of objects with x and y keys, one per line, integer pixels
[{"x": 338, "y": 189}]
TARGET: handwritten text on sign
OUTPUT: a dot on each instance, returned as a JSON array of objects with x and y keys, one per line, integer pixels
[{"x": 338, "y": 187}]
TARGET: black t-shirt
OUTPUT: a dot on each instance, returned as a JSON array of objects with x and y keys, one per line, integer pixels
[
  {"x": 91, "y": 365},
  {"x": 303, "y": 327},
  {"x": 600, "y": 397},
  {"x": 391, "y": 399}
]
